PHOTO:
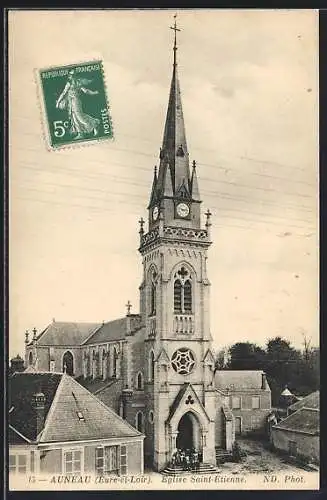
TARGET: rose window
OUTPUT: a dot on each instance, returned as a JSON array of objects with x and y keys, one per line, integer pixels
[{"x": 183, "y": 361}]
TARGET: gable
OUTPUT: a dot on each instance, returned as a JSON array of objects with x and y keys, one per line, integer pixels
[
  {"x": 186, "y": 400},
  {"x": 99, "y": 421}
]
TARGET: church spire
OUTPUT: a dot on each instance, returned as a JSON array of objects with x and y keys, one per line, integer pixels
[{"x": 174, "y": 159}]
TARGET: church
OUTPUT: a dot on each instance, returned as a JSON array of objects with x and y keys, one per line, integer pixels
[{"x": 156, "y": 369}]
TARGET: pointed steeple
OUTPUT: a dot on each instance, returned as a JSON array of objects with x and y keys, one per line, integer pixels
[
  {"x": 174, "y": 157},
  {"x": 194, "y": 183},
  {"x": 175, "y": 198}
]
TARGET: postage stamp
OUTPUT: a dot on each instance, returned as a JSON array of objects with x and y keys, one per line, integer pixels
[{"x": 75, "y": 104}]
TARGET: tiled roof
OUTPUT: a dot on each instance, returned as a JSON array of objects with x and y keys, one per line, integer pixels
[
  {"x": 66, "y": 333},
  {"x": 22, "y": 386},
  {"x": 99, "y": 421},
  {"x": 310, "y": 401},
  {"x": 238, "y": 379},
  {"x": 113, "y": 330},
  {"x": 305, "y": 420},
  {"x": 65, "y": 402}
]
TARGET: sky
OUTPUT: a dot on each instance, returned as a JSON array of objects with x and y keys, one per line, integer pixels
[{"x": 249, "y": 83}]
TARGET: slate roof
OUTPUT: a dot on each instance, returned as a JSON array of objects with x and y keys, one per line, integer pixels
[
  {"x": 100, "y": 422},
  {"x": 238, "y": 379},
  {"x": 21, "y": 387},
  {"x": 66, "y": 333},
  {"x": 64, "y": 399},
  {"x": 113, "y": 330},
  {"x": 310, "y": 401},
  {"x": 304, "y": 420}
]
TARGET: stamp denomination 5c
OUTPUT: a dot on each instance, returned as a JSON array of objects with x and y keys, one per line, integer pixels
[{"x": 75, "y": 104}]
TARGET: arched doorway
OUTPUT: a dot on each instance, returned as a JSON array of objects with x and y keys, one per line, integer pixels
[
  {"x": 68, "y": 363},
  {"x": 189, "y": 433}
]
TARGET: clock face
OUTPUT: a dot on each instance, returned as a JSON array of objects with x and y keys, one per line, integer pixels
[
  {"x": 182, "y": 210},
  {"x": 155, "y": 213}
]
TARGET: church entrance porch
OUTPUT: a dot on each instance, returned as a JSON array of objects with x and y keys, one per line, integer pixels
[{"x": 188, "y": 439}]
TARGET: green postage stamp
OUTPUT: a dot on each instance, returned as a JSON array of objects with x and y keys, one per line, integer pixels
[{"x": 75, "y": 104}]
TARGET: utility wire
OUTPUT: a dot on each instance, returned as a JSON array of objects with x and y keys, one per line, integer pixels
[
  {"x": 129, "y": 195},
  {"x": 80, "y": 174}
]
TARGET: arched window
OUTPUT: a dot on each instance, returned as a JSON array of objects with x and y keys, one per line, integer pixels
[
  {"x": 178, "y": 296},
  {"x": 139, "y": 421},
  {"x": 139, "y": 381},
  {"x": 151, "y": 366},
  {"x": 182, "y": 291},
  {"x": 103, "y": 363},
  {"x": 188, "y": 297},
  {"x": 68, "y": 363},
  {"x": 153, "y": 299},
  {"x": 115, "y": 363},
  {"x": 30, "y": 358},
  {"x": 151, "y": 417},
  {"x": 153, "y": 291}
]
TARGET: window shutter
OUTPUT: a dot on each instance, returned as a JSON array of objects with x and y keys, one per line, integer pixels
[
  {"x": 99, "y": 460},
  {"x": 123, "y": 459}
]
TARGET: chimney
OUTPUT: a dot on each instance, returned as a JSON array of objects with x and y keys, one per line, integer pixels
[
  {"x": 263, "y": 381},
  {"x": 38, "y": 403},
  {"x": 17, "y": 364},
  {"x": 127, "y": 395}
]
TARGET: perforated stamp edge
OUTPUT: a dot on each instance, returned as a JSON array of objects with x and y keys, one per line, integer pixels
[{"x": 43, "y": 113}]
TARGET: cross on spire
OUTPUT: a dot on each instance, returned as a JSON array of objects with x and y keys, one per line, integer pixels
[
  {"x": 175, "y": 37},
  {"x": 141, "y": 222},
  {"x": 208, "y": 214},
  {"x": 129, "y": 306}
]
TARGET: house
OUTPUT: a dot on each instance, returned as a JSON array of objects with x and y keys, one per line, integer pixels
[
  {"x": 57, "y": 426},
  {"x": 248, "y": 395},
  {"x": 298, "y": 435}
]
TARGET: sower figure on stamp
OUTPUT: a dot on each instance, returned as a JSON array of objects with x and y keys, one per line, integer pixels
[{"x": 80, "y": 122}]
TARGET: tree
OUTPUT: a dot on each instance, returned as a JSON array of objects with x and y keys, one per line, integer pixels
[
  {"x": 246, "y": 356},
  {"x": 282, "y": 362}
]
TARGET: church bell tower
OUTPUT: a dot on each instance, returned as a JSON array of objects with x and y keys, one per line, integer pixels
[{"x": 174, "y": 301}]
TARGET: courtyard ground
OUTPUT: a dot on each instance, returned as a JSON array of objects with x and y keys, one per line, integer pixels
[{"x": 258, "y": 459}]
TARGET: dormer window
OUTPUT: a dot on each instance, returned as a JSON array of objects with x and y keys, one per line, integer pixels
[
  {"x": 80, "y": 416},
  {"x": 180, "y": 151}
]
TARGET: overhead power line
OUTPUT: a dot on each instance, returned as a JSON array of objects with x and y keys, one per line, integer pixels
[{"x": 129, "y": 195}]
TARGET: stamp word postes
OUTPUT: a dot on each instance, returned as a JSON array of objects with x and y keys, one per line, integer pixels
[{"x": 75, "y": 104}]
